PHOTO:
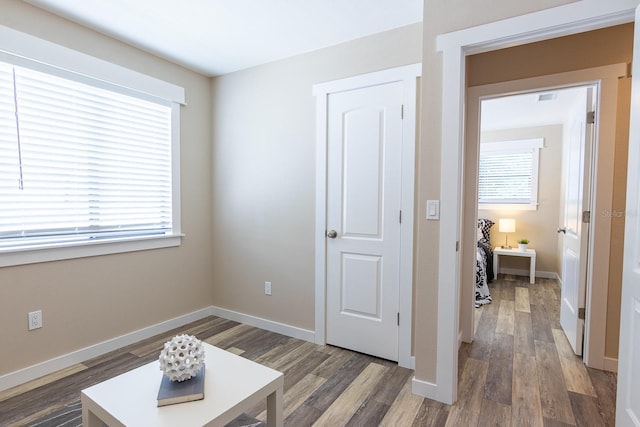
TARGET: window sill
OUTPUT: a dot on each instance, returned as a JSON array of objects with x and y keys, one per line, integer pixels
[
  {"x": 507, "y": 207},
  {"x": 57, "y": 252}
]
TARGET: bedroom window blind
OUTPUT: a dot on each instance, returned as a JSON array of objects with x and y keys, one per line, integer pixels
[
  {"x": 79, "y": 162},
  {"x": 508, "y": 173}
]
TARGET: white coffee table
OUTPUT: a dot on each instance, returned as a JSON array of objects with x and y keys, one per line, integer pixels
[
  {"x": 233, "y": 385},
  {"x": 529, "y": 253}
]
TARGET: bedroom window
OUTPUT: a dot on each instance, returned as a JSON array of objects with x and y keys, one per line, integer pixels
[
  {"x": 508, "y": 174},
  {"x": 87, "y": 167}
]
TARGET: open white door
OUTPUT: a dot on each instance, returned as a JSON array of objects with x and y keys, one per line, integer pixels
[
  {"x": 628, "y": 398},
  {"x": 575, "y": 232},
  {"x": 364, "y": 185}
]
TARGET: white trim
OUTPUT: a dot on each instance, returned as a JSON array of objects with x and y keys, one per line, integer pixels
[
  {"x": 549, "y": 23},
  {"x": 35, "y": 49},
  {"x": 610, "y": 364},
  {"x": 520, "y": 272},
  {"x": 424, "y": 388},
  {"x": 408, "y": 75},
  {"x": 38, "y": 370},
  {"x": 57, "y": 252},
  {"x": 176, "y": 205},
  {"x": 507, "y": 207},
  {"x": 268, "y": 325}
]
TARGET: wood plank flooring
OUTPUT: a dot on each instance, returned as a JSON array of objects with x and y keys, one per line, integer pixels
[{"x": 518, "y": 371}]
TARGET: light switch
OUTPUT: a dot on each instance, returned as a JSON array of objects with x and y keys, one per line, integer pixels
[{"x": 433, "y": 210}]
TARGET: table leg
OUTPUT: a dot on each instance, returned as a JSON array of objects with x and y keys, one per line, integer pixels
[
  {"x": 89, "y": 419},
  {"x": 275, "y": 413},
  {"x": 496, "y": 264},
  {"x": 532, "y": 270}
]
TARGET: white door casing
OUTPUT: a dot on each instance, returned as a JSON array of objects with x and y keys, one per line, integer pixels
[
  {"x": 545, "y": 24},
  {"x": 575, "y": 233},
  {"x": 406, "y": 77},
  {"x": 364, "y": 130},
  {"x": 628, "y": 395},
  {"x": 605, "y": 78}
]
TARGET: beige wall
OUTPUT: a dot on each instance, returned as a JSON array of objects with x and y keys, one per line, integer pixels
[
  {"x": 89, "y": 300},
  {"x": 264, "y": 173},
  {"x": 540, "y": 225},
  {"x": 617, "y": 216}
]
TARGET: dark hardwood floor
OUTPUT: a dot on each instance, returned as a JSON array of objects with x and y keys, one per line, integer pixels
[{"x": 519, "y": 371}]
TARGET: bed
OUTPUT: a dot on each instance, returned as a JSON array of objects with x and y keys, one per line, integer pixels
[{"x": 484, "y": 262}]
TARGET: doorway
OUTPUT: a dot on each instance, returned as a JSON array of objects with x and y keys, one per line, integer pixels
[
  {"x": 595, "y": 303},
  {"x": 573, "y": 18},
  {"x": 534, "y": 174}
]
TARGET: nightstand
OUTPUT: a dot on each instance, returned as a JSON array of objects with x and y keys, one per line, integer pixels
[{"x": 529, "y": 253}]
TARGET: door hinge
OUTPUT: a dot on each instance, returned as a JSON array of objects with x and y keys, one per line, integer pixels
[
  {"x": 402, "y": 111},
  {"x": 400, "y": 219},
  {"x": 591, "y": 117},
  {"x": 457, "y": 246},
  {"x": 398, "y": 319},
  {"x": 586, "y": 217},
  {"x": 581, "y": 313}
]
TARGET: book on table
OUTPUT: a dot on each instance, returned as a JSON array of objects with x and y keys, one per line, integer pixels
[{"x": 172, "y": 392}]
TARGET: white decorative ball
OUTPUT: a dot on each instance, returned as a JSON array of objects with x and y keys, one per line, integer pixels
[{"x": 182, "y": 357}]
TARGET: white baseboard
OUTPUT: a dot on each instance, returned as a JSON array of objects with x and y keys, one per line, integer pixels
[
  {"x": 29, "y": 373},
  {"x": 269, "y": 325},
  {"x": 424, "y": 389},
  {"x": 38, "y": 370},
  {"x": 519, "y": 272},
  {"x": 610, "y": 364}
]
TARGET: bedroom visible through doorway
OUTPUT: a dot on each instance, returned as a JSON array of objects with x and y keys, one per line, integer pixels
[{"x": 533, "y": 185}]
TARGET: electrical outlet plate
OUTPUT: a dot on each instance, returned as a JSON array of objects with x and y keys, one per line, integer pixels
[
  {"x": 267, "y": 288},
  {"x": 35, "y": 320}
]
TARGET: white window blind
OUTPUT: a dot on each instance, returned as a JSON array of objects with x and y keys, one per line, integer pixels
[
  {"x": 80, "y": 162},
  {"x": 508, "y": 172}
]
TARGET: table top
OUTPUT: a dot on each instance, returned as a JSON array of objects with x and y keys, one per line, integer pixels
[
  {"x": 230, "y": 381},
  {"x": 514, "y": 251}
]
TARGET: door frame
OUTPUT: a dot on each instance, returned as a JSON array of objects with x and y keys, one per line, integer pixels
[
  {"x": 572, "y": 18},
  {"x": 605, "y": 79},
  {"x": 409, "y": 76}
]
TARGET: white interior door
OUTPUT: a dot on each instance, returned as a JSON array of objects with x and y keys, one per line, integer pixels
[
  {"x": 364, "y": 132},
  {"x": 575, "y": 233},
  {"x": 628, "y": 397}
]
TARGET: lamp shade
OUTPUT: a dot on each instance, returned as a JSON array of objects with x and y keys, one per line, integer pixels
[{"x": 506, "y": 225}]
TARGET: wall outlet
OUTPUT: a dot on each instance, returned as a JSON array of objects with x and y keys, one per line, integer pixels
[
  {"x": 35, "y": 320},
  {"x": 267, "y": 288}
]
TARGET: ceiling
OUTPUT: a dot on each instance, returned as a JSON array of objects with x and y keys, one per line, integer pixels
[
  {"x": 525, "y": 110},
  {"x": 216, "y": 37}
]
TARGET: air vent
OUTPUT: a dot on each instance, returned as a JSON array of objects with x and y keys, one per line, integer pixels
[{"x": 547, "y": 96}]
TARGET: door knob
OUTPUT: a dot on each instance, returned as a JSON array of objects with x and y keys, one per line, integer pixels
[
  {"x": 562, "y": 230},
  {"x": 332, "y": 234}
]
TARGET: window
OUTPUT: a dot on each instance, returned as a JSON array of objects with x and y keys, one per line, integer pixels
[
  {"x": 508, "y": 174},
  {"x": 84, "y": 162}
]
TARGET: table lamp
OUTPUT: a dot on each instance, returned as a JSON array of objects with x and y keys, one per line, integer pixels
[{"x": 506, "y": 225}]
